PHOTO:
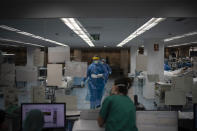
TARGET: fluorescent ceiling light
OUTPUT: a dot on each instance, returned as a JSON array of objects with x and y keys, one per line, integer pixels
[
  {"x": 30, "y": 35},
  {"x": 20, "y": 42},
  {"x": 9, "y": 45},
  {"x": 195, "y": 42},
  {"x": 8, "y": 54},
  {"x": 76, "y": 26},
  {"x": 147, "y": 26},
  {"x": 180, "y": 36}
]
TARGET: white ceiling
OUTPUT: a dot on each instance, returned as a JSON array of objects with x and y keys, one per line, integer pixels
[{"x": 112, "y": 31}]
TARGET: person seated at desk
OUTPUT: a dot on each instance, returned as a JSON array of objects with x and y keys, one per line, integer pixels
[
  {"x": 34, "y": 121},
  {"x": 118, "y": 112}
]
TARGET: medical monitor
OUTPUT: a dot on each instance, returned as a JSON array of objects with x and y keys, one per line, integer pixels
[{"x": 54, "y": 114}]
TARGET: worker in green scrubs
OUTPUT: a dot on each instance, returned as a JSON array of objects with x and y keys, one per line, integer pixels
[
  {"x": 34, "y": 121},
  {"x": 118, "y": 111}
]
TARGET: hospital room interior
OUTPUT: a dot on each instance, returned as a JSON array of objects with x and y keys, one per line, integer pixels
[{"x": 67, "y": 68}]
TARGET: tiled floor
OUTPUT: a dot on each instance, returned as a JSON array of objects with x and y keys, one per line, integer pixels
[
  {"x": 138, "y": 90},
  {"x": 81, "y": 94}
]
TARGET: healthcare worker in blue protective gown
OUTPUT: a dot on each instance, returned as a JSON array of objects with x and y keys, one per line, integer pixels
[
  {"x": 106, "y": 66},
  {"x": 96, "y": 77},
  {"x": 167, "y": 67}
]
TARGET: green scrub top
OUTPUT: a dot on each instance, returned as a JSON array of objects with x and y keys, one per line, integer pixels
[{"x": 119, "y": 114}]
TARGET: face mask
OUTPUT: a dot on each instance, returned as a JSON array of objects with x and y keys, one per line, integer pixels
[{"x": 96, "y": 61}]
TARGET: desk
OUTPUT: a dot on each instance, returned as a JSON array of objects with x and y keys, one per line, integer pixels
[
  {"x": 73, "y": 113},
  {"x": 87, "y": 125},
  {"x": 71, "y": 117}
]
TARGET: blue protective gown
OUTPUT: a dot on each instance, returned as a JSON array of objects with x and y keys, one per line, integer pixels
[
  {"x": 96, "y": 85},
  {"x": 186, "y": 64},
  {"x": 109, "y": 71},
  {"x": 166, "y": 67}
]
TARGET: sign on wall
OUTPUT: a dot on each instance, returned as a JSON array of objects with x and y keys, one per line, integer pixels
[{"x": 156, "y": 47}]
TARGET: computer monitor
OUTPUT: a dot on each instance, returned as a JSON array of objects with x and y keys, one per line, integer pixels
[
  {"x": 54, "y": 114},
  {"x": 195, "y": 116}
]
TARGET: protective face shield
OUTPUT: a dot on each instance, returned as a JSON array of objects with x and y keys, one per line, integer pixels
[{"x": 95, "y": 58}]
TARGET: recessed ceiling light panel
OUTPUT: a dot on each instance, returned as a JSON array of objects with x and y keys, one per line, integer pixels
[
  {"x": 180, "y": 36},
  {"x": 30, "y": 35},
  {"x": 14, "y": 41},
  {"x": 147, "y": 26},
  {"x": 195, "y": 42},
  {"x": 76, "y": 26}
]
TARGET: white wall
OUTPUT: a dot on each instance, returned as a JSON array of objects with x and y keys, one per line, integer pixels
[
  {"x": 30, "y": 56},
  {"x": 133, "y": 53},
  {"x": 154, "y": 65},
  {"x": 155, "y": 58}
]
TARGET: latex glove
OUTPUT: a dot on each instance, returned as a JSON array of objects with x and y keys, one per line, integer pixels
[
  {"x": 94, "y": 76},
  {"x": 100, "y": 75},
  {"x": 82, "y": 84}
]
